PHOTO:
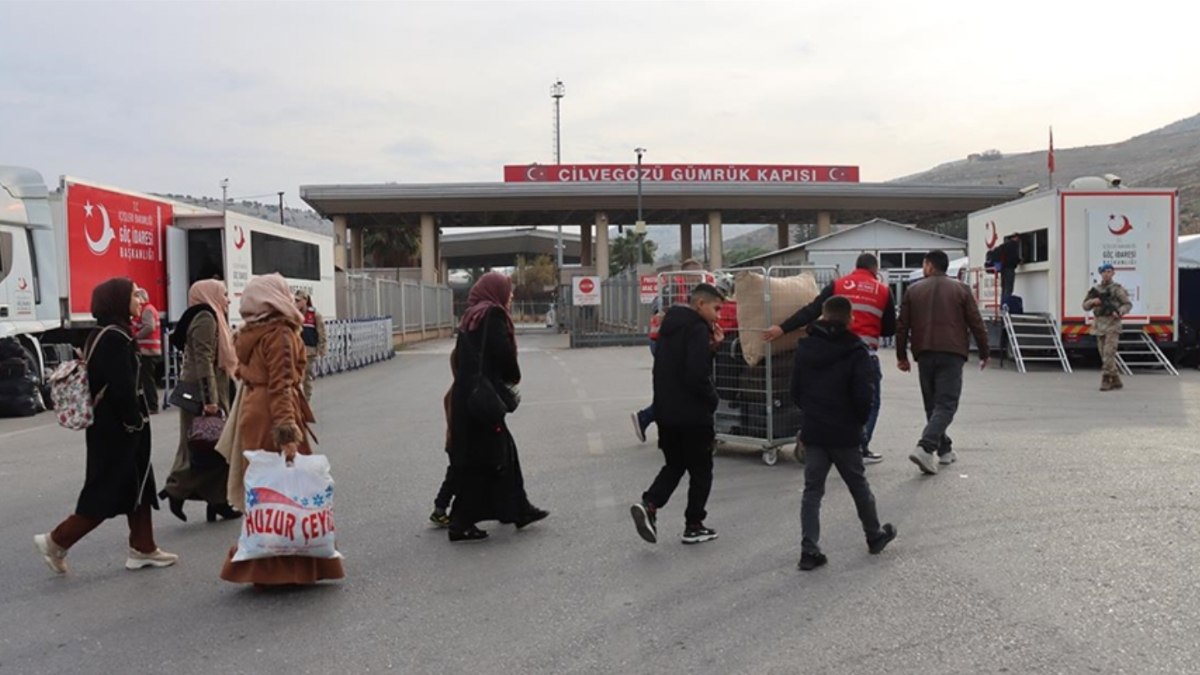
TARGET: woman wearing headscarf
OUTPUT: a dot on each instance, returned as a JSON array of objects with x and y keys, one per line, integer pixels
[
  {"x": 209, "y": 361},
  {"x": 274, "y": 416},
  {"x": 120, "y": 480},
  {"x": 488, "y": 484}
]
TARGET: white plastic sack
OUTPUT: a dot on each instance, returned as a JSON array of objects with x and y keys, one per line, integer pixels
[{"x": 289, "y": 509}]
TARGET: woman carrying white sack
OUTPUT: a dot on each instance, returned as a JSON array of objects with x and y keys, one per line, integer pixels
[{"x": 272, "y": 415}]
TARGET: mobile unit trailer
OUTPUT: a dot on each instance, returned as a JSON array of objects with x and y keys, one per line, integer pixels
[
  {"x": 1066, "y": 234},
  {"x": 55, "y": 247}
]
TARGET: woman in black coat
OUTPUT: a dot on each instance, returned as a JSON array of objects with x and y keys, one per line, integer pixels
[
  {"x": 119, "y": 479},
  {"x": 483, "y": 455}
]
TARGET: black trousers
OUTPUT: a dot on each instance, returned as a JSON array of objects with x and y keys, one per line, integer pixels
[
  {"x": 687, "y": 450},
  {"x": 149, "y": 376},
  {"x": 849, "y": 463},
  {"x": 1008, "y": 276},
  {"x": 941, "y": 377}
]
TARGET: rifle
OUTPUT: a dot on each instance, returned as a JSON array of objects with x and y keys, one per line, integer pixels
[{"x": 1108, "y": 306}]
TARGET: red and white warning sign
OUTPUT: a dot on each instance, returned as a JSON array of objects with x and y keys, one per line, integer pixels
[
  {"x": 585, "y": 291},
  {"x": 649, "y": 288}
]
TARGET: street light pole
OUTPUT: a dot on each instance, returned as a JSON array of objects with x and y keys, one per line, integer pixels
[
  {"x": 557, "y": 91},
  {"x": 640, "y": 226},
  {"x": 224, "y": 193}
]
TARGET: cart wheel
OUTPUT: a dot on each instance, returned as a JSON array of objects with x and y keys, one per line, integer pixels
[
  {"x": 769, "y": 457},
  {"x": 799, "y": 453}
]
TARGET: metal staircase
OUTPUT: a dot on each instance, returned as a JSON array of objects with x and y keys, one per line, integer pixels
[
  {"x": 1034, "y": 338},
  {"x": 1136, "y": 349}
]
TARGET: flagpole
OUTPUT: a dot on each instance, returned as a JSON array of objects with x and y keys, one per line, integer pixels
[{"x": 1050, "y": 162}]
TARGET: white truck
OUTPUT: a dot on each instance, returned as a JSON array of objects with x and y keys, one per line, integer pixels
[
  {"x": 56, "y": 246},
  {"x": 1066, "y": 234}
]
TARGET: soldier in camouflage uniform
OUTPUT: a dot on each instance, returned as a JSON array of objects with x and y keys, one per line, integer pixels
[{"x": 1109, "y": 301}]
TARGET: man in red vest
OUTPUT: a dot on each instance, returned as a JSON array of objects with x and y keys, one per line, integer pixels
[
  {"x": 148, "y": 331},
  {"x": 313, "y": 334},
  {"x": 873, "y": 316}
]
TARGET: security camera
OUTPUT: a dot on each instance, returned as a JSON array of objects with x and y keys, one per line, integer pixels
[
  {"x": 1029, "y": 189},
  {"x": 1113, "y": 179}
]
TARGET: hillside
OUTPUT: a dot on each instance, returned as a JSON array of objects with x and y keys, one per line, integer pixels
[
  {"x": 304, "y": 219},
  {"x": 1166, "y": 157}
]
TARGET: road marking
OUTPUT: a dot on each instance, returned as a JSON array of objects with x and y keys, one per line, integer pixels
[
  {"x": 595, "y": 443},
  {"x": 588, "y": 413},
  {"x": 18, "y": 432}
]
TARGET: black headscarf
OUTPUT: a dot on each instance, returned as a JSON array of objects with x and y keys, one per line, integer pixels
[{"x": 110, "y": 303}]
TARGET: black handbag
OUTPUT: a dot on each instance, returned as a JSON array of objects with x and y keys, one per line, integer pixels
[
  {"x": 489, "y": 400},
  {"x": 188, "y": 397}
]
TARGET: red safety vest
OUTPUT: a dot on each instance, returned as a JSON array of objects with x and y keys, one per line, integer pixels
[
  {"x": 153, "y": 343},
  {"x": 868, "y": 298}
]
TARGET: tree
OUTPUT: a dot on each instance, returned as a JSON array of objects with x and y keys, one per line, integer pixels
[
  {"x": 534, "y": 280},
  {"x": 391, "y": 246},
  {"x": 630, "y": 250}
]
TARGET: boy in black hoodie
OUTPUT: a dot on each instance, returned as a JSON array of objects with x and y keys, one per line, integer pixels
[
  {"x": 684, "y": 402},
  {"x": 832, "y": 385}
]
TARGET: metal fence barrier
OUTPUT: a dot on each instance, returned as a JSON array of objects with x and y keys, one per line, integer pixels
[
  {"x": 414, "y": 306},
  {"x": 619, "y": 319},
  {"x": 351, "y": 344}
]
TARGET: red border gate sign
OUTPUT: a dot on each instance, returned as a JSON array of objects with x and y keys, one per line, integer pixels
[
  {"x": 678, "y": 173},
  {"x": 648, "y": 288},
  {"x": 585, "y": 291}
]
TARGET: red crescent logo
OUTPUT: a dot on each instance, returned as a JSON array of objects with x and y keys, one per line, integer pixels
[
  {"x": 241, "y": 237},
  {"x": 993, "y": 238},
  {"x": 1125, "y": 226}
]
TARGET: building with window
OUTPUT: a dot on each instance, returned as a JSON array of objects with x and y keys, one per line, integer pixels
[{"x": 900, "y": 248}]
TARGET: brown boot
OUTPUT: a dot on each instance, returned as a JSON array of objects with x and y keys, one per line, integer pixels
[
  {"x": 1106, "y": 383},
  {"x": 1117, "y": 383}
]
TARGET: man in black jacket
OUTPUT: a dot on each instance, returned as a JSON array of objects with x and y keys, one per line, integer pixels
[
  {"x": 684, "y": 402},
  {"x": 832, "y": 385}
]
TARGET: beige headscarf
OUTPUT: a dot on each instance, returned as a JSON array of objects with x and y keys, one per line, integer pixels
[
  {"x": 267, "y": 297},
  {"x": 212, "y": 293}
]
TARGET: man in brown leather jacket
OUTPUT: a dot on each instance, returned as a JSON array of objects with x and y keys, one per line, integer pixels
[{"x": 938, "y": 313}]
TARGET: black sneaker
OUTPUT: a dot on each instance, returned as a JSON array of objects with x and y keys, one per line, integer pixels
[
  {"x": 871, "y": 457},
  {"x": 697, "y": 533},
  {"x": 811, "y": 561},
  {"x": 880, "y": 542},
  {"x": 643, "y": 519}
]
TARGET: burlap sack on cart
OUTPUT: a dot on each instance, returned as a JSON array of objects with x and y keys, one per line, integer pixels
[{"x": 788, "y": 294}]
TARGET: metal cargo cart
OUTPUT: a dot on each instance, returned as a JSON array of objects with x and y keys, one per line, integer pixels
[{"x": 754, "y": 401}]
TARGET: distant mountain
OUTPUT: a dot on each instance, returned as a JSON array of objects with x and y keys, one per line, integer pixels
[
  {"x": 303, "y": 219},
  {"x": 1166, "y": 157}
]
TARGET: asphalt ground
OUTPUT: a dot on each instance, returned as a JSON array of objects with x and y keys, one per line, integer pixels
[{"x": 1063, "y": 541}]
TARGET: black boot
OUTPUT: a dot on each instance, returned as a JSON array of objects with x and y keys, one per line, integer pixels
[
  {"x": 226, "y": 512},
  {"x": 176, "y": 505},
  {"x": 531, "y": 515}
]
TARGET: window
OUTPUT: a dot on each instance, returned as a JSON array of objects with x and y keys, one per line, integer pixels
[
  {"x": 891, "y": 260},
  {"x": 293, "y": 259},
  {"x": 914, "y": 260},
  {"x": 1035, "y": 246}
]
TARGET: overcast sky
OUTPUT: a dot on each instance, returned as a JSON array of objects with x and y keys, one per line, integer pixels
[{"x": 173, "y": 96}]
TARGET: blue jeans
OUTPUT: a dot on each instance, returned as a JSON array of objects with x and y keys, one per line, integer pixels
[{"x": 869, "y": 429}]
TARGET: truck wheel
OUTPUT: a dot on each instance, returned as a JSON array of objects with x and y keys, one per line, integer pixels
[{"x": 42, "y": 391}]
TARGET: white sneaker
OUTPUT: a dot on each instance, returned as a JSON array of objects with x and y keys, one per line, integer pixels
[
  {"x": 948, "y": 458},
  {"x": 158, "y": 558},
  {"x": 925, "y": 460},
  {"x": 54, "y": 555}
]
